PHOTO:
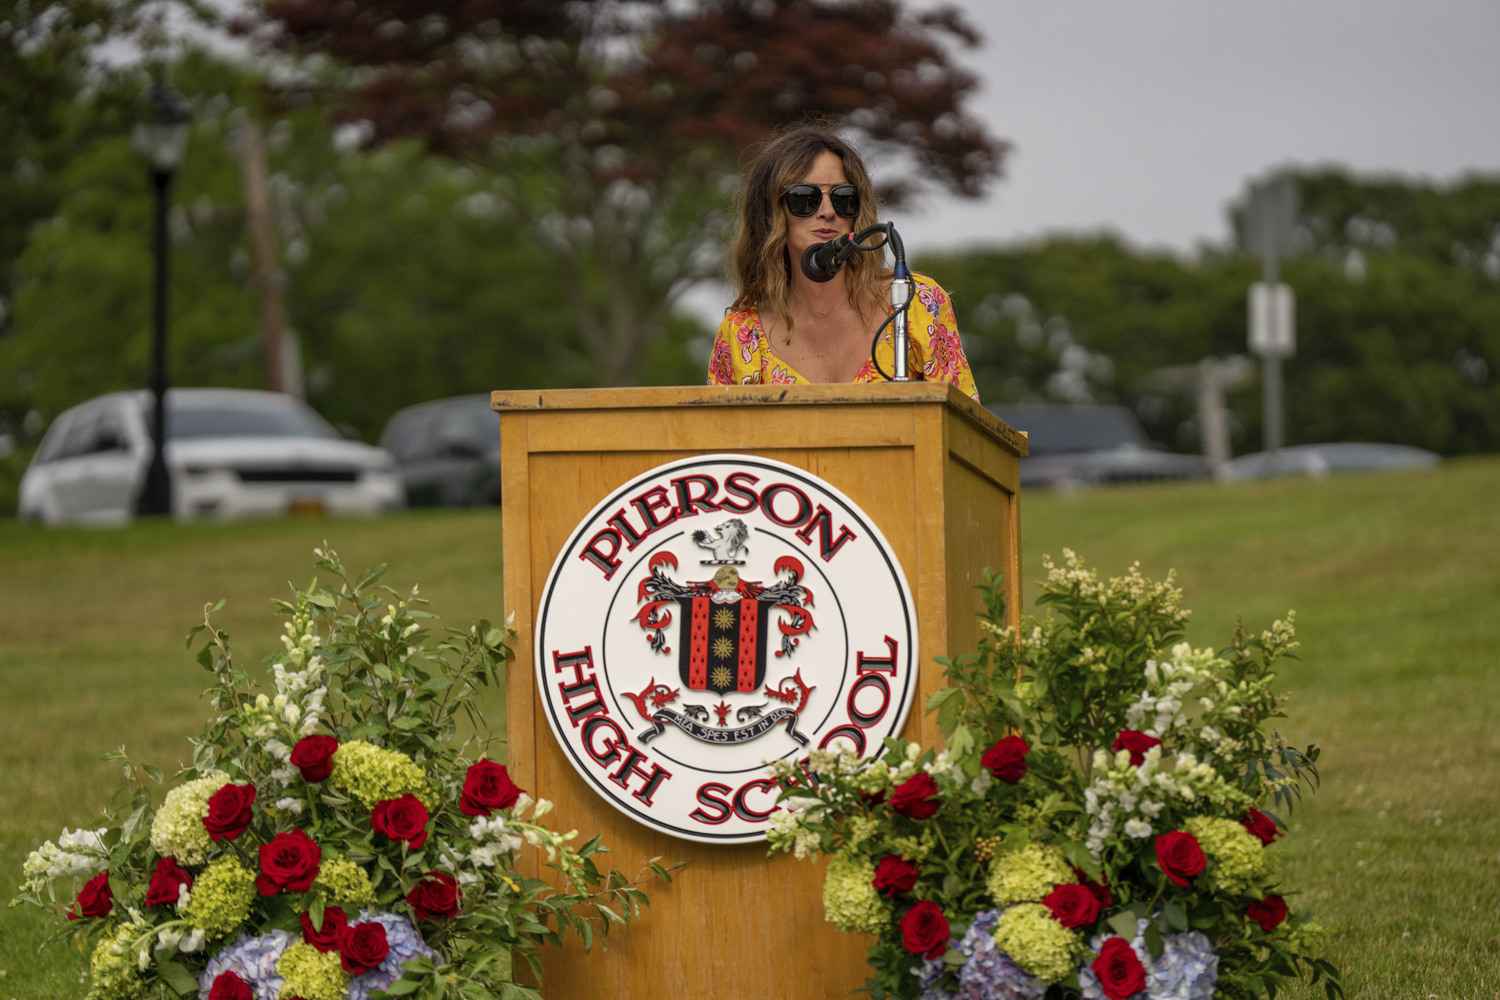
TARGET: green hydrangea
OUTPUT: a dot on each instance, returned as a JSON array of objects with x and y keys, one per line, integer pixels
[
  {"x": 1027, "y": 875},
  {"x": 373, "y": 774},
  {"x": 1304, "y": 939},
  {"x": 113, "y": 973},
  {"x": 914, "y": 849},
  {"x": 1035, "y": 941},
  {"x": 220, "y": 899},
  {"x": 177, "y": 831},
  {"x": 311, "y": 974},
  {"x": 344, "y": 883},
  {"x": 1240, "y": 864},
  {"x": 850, "y": 900}
]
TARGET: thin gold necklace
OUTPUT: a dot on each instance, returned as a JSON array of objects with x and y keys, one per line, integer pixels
[{"x": 821, "y": 312}]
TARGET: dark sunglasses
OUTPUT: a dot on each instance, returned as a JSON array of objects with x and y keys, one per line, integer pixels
[{"x": 803, "y": 200}]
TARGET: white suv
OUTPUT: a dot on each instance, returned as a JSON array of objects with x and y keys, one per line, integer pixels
[{"x": 231, "y": 453}]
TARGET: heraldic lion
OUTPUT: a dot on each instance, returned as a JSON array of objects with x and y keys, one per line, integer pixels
[{"x": 731, "y": 538}]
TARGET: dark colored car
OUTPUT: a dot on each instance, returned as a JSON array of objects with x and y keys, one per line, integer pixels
[
  {"x": 1073, "y": 446},
  {"x": 447, "y": 451}
]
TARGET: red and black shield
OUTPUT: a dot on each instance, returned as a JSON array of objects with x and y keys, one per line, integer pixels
[{"x": 723, "y": 647}]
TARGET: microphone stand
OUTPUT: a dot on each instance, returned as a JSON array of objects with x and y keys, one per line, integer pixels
[{"x": 901, "y": 292}]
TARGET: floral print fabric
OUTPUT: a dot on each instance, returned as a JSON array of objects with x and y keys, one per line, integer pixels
[{"x": 742, "y": 353}]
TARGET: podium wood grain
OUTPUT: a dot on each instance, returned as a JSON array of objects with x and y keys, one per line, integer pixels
[{"x": 933, "y": 470}]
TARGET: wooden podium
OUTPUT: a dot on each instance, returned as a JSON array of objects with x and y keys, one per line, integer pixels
[{"x": 934, "y": 470}]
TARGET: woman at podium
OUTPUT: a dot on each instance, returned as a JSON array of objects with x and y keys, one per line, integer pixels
[{"x": 791, "y": 322}]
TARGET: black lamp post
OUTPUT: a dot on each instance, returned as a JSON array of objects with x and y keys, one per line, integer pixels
[{"x": 161, "y": 140}]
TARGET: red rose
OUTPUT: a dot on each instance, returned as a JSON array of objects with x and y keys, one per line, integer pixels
[
  {"x": 229, "y": 811},
  {"x": 916, "y": 797},
  {"x": 167, "y": 883},
  {"x": 313, "y": 756},
  {"x": 1120, "y": 971},
  {"x": 1268, "y": 912},
  {"x": 95, "y": 898},
  {"x": 435, "y": 897},
  {"x": 290, "y": 861},
  {"x": 1073, "y": 905},
  {"x": 894, "y": 874},
  {"x": 1006, "y": 760},
  {"x": 1261, "y": 825},
  {"x": 1100, "y": 889},
  {"x": 362, "y": 947},
  {"x": 487, "y": 787},
  {"x": 924, "y": 930},
  {"x": 402, "y": 819},
  {"x": 228, "y": 986},
  {"x": 1180, "y": 856},
  {"x": 325, "y": 938},
  {"x": 1136, "y": 743}
]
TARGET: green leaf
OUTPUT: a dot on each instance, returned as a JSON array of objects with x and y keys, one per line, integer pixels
[
  {"x": 961, "y": 743},
  {"x": 369, "y": 576},
  {"x": 1175, "y": 917},
  {"x": 179, "y": 978},
  {"x": 403, "y": 987},
  {"x": 1123, "y": 924},
  {"x": 1154, "y": 943}
]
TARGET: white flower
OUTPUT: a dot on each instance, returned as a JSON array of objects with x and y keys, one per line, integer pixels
[
  {"x": 166, "y": 939},
  {"x": 1139, "y": 829},
  {"x": 290, "y": 805},
  {"x": 192, "y": 942}
]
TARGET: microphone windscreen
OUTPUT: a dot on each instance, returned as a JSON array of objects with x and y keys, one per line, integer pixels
[{"x": 811, "y": 272}]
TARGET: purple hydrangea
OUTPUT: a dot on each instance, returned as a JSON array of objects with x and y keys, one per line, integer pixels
[
  {"x": 405, "y": 944},
  {"x": 1187, "y": 970},
  {"x": 987, "y": 972},
  {"x": 253, "y": 959}
]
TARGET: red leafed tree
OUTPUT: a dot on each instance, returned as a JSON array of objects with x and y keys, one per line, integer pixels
[{"x": 615, "y": 129}]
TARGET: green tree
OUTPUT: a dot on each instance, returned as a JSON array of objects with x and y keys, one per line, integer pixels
[
  {"x": 1341, "y": 213},
  {"x": 617, "y": 126}
]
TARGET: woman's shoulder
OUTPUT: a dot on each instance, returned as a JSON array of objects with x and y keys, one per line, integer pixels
[
  {"x": 928, "y": 282},
  {"x": 740, "y": 319}
]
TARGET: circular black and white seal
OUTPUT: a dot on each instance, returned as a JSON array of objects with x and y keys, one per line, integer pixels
[{"x": 709, "y": 617}]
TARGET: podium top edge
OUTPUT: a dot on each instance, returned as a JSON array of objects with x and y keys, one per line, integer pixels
[{"x": 821, "y": 394}]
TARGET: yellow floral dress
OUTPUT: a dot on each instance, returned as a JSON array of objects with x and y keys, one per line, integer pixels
[{"x": 742, "y": 353}]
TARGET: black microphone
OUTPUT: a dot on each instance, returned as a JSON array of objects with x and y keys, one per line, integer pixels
[{"x": 821, "y": 261}]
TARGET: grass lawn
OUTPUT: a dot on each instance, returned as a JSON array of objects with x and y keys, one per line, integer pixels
[{"x": 1395, "y": 579}]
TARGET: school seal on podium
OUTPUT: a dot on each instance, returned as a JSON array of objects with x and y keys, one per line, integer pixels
[{"x": 709, "y": 617}]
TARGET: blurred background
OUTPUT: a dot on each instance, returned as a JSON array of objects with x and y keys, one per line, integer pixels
[{"x": 376, "y": 209}]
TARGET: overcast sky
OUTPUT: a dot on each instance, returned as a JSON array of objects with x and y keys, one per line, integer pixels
[{"x": 1148, "y": 117}]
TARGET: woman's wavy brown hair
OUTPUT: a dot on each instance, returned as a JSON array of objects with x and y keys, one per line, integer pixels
[{"x": 758, "y": 263}]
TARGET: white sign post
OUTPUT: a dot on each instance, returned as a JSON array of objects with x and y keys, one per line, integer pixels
[{"x": 1269, "y": 221}]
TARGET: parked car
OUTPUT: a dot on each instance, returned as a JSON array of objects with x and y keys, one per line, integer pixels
[
  {"x": 1323, "y": 459},
  {"x": 447, "y": 451},
  {"x": 1074, "y": 446},
  {"x": 231, "y": 453}
]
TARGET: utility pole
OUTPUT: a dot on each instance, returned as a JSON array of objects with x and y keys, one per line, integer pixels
[{"x": 268, "y": 276}]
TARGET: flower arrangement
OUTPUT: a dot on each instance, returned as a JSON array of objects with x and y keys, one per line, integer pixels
[
  {"x": 1102, "y": 821},
  {"x": 333, "y": 838}
]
